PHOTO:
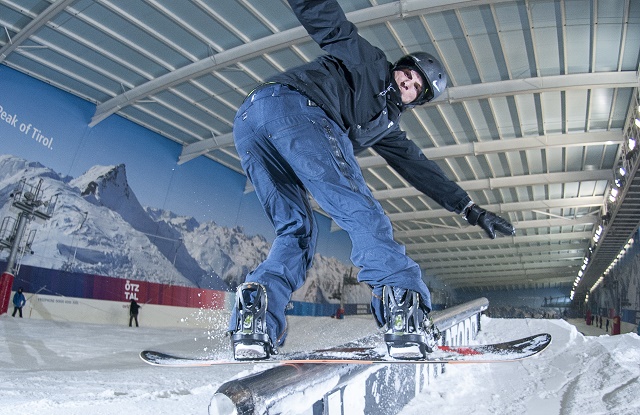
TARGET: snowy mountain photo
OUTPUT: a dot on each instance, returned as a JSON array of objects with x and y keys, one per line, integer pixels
[{"x": 99, "y": 227}]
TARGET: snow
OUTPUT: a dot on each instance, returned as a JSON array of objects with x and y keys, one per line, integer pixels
[{"x": 52, "y": 367}]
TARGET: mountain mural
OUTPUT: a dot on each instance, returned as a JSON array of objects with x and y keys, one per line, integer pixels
[{"x": 100, "y": 227}]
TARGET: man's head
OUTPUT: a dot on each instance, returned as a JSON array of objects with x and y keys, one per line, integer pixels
[{"x": 419, "y": 77}]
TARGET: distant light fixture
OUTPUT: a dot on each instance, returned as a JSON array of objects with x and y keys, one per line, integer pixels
[
  {"x": 637, "y": 121},
  {"x": 631, "y": 142},
  {"x": 622, "y": 171}
]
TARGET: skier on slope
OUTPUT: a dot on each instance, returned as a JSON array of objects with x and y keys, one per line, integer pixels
[
  {"x": 18, "y": 302},
  {"x": 298, "y": 133}
]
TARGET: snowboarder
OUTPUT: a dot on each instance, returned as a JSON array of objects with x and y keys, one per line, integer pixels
[
  {"x": 18, "y": 302},
  {"x": 298, "y": 133},
  {"x": 133, "y": 312}
]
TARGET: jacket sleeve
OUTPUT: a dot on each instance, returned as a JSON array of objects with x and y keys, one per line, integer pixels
[
  {"x": 405, "y": 157},
  {"x": 328, "y": 26}
]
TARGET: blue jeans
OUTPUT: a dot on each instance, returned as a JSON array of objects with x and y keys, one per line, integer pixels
[{"x": 288, "y": 147}]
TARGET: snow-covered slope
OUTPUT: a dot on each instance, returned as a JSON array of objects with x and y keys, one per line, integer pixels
[
  {"x": 58, "y": 368},
  {"x": 577, "y": 374}
]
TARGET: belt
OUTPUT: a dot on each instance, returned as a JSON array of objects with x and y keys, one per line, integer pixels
[{"x": 310, "y": 102}]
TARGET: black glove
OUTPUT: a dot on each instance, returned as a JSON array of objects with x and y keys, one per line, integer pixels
[{"x": 488, "y": 221}]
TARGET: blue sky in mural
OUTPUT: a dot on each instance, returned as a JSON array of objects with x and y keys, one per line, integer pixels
[{"x": 42, "y": 123}]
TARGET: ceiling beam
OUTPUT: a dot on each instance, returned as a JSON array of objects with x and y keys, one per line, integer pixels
[
  {"x": 501, "y": 282},
  {"x": 480, "y": 267},
  {"x": 562, "y": 273},
  {"x": 516, "y": 279},
  {"x": 573, "y": 247},
  {"x": 33, "y": 26},
  {"x": 513, "y": 144},
  {"x": 519, "y": 225},
  {"x": 573, "y": 202},
  {"x": 624, "y": 79},
  {"x": 502, "y": 261},
  {"x": 191, "y": 151},
  {"x": 504, "y": 240},
  {"x": 512, "y": 181}
]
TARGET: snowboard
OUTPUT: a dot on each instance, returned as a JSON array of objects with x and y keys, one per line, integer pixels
[{"x": 487, "y": 353}]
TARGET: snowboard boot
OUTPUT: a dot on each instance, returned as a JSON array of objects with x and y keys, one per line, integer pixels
[
  {"x": 250, "y": 340},
  {"x": 410, "y": 333}
]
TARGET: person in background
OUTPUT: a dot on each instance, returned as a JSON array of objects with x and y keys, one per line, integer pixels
[
  {"x": 18, "y": 302},
  {"x": 133, "y": 312}
]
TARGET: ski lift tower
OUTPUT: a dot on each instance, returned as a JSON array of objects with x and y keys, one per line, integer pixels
[{"x": 28, "y": 200}]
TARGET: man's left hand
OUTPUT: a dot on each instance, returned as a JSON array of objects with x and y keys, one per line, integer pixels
[{"x": 488, "y": 221}]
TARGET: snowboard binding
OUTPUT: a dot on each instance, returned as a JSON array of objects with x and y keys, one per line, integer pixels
[
  {"x": 250, "y": 340},
  {"x": 411, "y": 333}
]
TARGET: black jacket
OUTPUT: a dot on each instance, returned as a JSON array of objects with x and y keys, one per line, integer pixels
[
  {"x": 352, "y": 83},
  {"x": 134, "y": 308}
]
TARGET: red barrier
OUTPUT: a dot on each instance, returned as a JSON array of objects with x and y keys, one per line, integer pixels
[
  {"x": 145, "y": 292},
  {"x": 6, "y": 282},
  {"x": 616, "y": 325},
  {"x": 100, "y": 287}
]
